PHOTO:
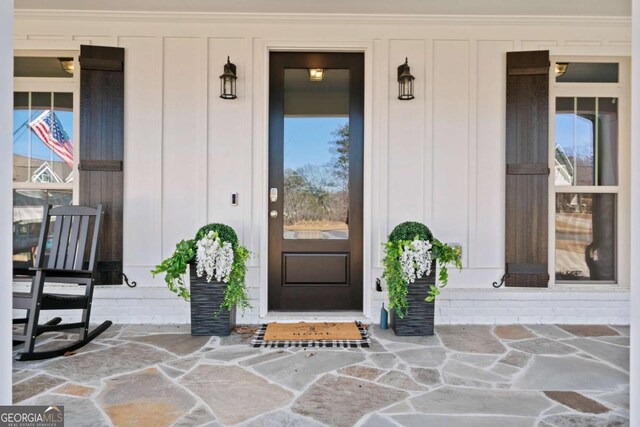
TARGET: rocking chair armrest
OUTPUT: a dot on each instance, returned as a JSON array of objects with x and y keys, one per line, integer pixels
[
  {"x": 62, "y": 272},
  {"x": 23, "y": 272}
]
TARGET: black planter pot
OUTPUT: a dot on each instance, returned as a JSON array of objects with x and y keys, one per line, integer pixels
[
  {"x": 419, "y": 318},
  {"x": 206, "y": 298}
]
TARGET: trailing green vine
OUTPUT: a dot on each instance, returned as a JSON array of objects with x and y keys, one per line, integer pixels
[
  {"x": 236, "y": 292},
  {"x": 401, "y": 237},
  {"x": 396, "y": 285},
  {"x": 445, "y": 255},
  {"x": 174, "y": 268}
]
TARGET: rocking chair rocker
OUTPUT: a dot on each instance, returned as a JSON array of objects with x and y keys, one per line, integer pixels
[{"x": 65, "y": 263}]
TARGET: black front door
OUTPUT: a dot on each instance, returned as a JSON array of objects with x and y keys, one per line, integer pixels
[{"x": 316, "y": 103}]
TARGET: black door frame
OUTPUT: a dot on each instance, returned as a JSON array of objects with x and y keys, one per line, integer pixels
[{"x": 278, "y": 60}]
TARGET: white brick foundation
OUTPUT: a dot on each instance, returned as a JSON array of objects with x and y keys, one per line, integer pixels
[
  {"x": 505, "y": 306},
  {"x": 154, "y": 304}
]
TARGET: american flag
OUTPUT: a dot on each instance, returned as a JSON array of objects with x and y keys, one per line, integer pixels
[{"x": 50, "y": 131}]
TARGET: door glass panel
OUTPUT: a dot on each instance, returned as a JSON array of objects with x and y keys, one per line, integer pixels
[
  {"x": 585, "y": 237},
  {"x": 316, "y": 154},
  {"x": 42, "y": 145},
  {"x": 586, "y": 141}
]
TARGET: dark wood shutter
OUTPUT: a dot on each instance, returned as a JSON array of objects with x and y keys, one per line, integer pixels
[
  {"x": 102, "y": 149},
  {"x": 527, "y": 180}
]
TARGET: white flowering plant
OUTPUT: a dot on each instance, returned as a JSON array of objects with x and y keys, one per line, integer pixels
[
  {"x": 217, "y": 255},
  {"x": 416, "y": 260},
  {"x": 214, "y": 258},
  {"x": 410, "y": 254}
]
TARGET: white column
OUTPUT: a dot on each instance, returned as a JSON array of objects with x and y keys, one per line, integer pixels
[
  {"x": 635, "y": 215},
  {"x": 6, "y": 201}
]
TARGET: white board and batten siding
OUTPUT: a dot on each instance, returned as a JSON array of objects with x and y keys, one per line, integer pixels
[{"x": 438, "y": 159}]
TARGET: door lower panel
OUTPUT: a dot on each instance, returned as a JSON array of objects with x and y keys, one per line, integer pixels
[{"x": 315, "y": 269}]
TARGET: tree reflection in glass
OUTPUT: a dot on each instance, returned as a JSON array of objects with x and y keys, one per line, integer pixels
[
  {"x": 316, "y": 155},
  {"x": 316, "y": 195}
]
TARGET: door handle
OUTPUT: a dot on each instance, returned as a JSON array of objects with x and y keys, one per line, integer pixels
[
  {"x": 273, "y": 214},
  {"x": 273, "y": 195}
]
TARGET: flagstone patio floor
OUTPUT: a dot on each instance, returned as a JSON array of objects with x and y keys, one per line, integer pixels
[{"x": 532, "y": 375}]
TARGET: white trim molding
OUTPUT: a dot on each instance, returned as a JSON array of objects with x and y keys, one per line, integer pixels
[
  {"x": 620, "y": 91},
  {"x": 6, "y": 196},
  {"x": 635, "y": 217},
  {"x": 261, "y": 146},
  {"x": 389, "y": 19}
]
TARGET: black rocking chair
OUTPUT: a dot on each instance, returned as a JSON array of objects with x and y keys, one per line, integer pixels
[{"x": 66, "y": 263}]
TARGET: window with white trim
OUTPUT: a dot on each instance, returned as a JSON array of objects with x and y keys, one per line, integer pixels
[
  {"x": 44, "y": 143},
  {"x": 588, "y": 161}
]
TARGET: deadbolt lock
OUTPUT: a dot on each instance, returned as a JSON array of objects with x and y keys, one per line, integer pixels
[{"x": 273, "y": 195}]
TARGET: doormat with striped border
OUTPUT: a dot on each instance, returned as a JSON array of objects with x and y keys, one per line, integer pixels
[{"x": 363, "y": 341}]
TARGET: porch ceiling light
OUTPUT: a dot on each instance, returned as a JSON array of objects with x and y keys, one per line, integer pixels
[
  {"x": 228, "y": 81},
  {"x": 405, "y": 81},
  {"x": 561, "y": 68},
  {"x": 67, "y": 65},
  {"x": 316, "y": 74}
]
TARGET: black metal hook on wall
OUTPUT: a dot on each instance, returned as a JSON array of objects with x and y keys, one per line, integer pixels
[
  {"x": 133, "y": 284},
  {"x": 504, "y": 276}
]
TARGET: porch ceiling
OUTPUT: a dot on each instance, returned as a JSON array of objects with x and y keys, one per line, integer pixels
[{"x": 375, "y": 7}]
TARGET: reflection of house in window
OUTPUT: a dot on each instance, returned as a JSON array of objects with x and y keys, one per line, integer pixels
[
  {"x": 575, "y": 147},
  {"x": 586, "y": 141},
  {"x": 26, "y": 169},
  {"x": 586, "y": 137},
  {"x": 45, "y": 174},
  {"x": 564, "y": 167}
]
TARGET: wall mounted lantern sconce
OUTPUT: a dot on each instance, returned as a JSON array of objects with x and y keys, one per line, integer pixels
[
  {"x": 228, "y": 81},
  {"x": 67, "y": 65},
  {"x": 561, "y": 68},
  {"x": 405, "y": 82}
]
